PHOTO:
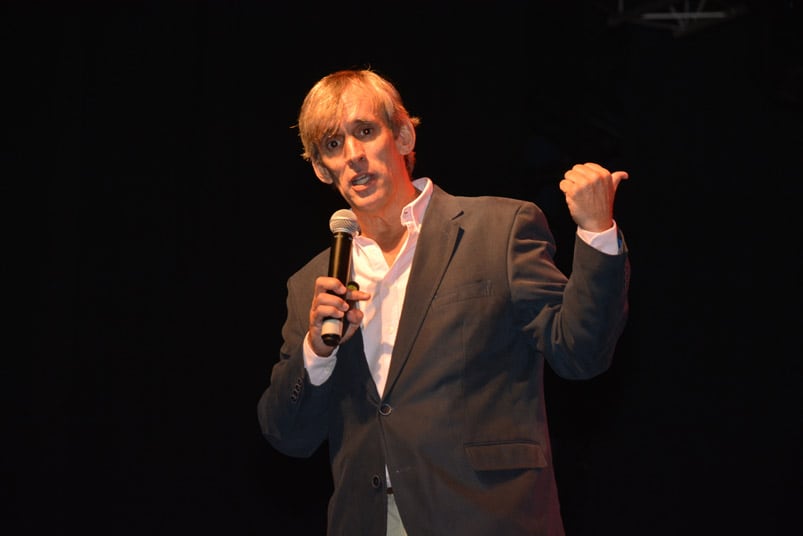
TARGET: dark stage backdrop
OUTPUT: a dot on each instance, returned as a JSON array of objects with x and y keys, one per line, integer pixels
[{"x": 166, "y": 204}]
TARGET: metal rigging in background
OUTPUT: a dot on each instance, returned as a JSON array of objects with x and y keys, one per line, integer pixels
[{"x": 679, "y": 17}]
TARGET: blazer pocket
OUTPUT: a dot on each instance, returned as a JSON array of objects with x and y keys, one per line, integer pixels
[
  {"x": 475, "y": 289},
  {"x": 505, "y": 456}
]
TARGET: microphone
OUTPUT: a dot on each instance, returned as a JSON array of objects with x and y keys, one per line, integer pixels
[{"x": 344, "y": 227}]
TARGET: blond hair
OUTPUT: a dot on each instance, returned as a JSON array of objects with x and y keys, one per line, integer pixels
[{"x": 322, "y": 109}]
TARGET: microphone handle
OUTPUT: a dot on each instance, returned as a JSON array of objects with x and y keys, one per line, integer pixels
[
  {"x": 339, "y": 267},
  {"x": 330, "y": 326},
  {"x": 340, "y": 256}
]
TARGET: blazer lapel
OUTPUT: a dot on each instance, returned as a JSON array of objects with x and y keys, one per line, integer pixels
[
  {"x": 353, "y": 353},
  {"x": 436, "y": 243}
]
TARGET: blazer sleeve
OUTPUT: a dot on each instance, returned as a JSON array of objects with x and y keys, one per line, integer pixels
[
  {"x": 576, "y": 322},
  {"x": 292, "y": 412}
]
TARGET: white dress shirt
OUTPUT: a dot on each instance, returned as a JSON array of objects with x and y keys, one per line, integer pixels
[{"x": 387, "y": 285}]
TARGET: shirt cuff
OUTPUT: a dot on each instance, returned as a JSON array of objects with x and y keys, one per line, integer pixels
[
  {"x": 319, "y": 368},
  {"x": 605, "y": 241}
]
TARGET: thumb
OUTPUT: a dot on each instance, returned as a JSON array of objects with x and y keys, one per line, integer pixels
[{"x": 618, "y": 176}]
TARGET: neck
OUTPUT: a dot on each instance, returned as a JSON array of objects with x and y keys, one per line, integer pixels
[
  {"x": 388, "y": 232},
  {"x": 385, "y": 227}
]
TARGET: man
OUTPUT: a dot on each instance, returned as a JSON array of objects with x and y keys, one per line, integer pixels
[{"x": 432, "y": 403}]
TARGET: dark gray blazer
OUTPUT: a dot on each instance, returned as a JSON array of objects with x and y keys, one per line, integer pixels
[{"x": 462, "y": 425}]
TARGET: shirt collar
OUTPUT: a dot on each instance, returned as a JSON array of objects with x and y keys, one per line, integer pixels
[{"x": 412, "y": 215}]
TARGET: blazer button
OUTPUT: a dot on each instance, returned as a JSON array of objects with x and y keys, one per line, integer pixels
[
  {"x": 385, "y": 409},
  {"x": 376, "y": 481}
]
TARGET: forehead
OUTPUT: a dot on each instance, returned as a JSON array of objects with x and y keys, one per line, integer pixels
[{"x": 357, "y": 105}]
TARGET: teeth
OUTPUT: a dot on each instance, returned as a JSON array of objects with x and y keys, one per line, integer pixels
[{"x": 362, "y": 180}]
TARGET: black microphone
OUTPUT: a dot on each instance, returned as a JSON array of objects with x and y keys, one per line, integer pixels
[{"x": 344, "y": 227}]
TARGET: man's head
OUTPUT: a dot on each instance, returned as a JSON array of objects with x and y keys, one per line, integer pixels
[
  {"x": 359, "y": 137},
  {"x": 322, "y": 109}
]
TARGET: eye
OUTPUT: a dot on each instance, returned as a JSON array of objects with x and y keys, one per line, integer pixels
[
  {"x": 332, "y": 145},
  {"x": 365, "y": 132}
]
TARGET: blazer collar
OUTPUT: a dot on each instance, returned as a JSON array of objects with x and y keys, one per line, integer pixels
[{"x": 439, "y": 236}]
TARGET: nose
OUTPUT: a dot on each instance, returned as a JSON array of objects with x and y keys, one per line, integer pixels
[{"x": 354, "y": 151}]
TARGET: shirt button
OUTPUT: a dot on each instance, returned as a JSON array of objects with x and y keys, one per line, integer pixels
[
  {"x": 385, "y": 409},
  {"x": 376, "y": 481}
]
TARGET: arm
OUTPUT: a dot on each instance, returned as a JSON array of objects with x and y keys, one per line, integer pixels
[
  {"x": 293, "y": 410},
  {"x": 576, "y": 322}
]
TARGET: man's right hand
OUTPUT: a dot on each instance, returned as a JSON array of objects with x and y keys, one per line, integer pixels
[{"x": 327, "y": 303}]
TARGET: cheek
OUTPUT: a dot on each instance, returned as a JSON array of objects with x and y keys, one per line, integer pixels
[
  {"x": 384, "y": 153},
  {"x": 331, "y": 170}
]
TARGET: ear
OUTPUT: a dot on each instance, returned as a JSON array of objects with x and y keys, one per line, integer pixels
[
  {"x": 321, "y": 172},
  {"x": 405, "y": 141}
]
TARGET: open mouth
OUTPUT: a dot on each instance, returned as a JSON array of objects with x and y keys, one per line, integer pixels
[{"x": 359, "y": 181}]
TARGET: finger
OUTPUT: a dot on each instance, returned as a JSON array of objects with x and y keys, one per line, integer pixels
[
  {"x": 581, "y": 174},
  {"x": 320, "y": 314},
  {"x": 354, "y": 316},
  {"x": 330, "y": 300},
  {"x": 330, "y": 284},
  {"x": 594, "y": 167}
]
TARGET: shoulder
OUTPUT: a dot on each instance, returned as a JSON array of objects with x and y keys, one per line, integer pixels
[
  {"x": 488, "y": 208},
  {"x": 318, "y": 265}
]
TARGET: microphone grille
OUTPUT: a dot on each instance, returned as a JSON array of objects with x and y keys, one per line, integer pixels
[{"x": 344, "y": 221}]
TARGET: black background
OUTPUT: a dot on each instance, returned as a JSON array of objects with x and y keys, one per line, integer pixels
[{"x": 165, "y": 204}]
